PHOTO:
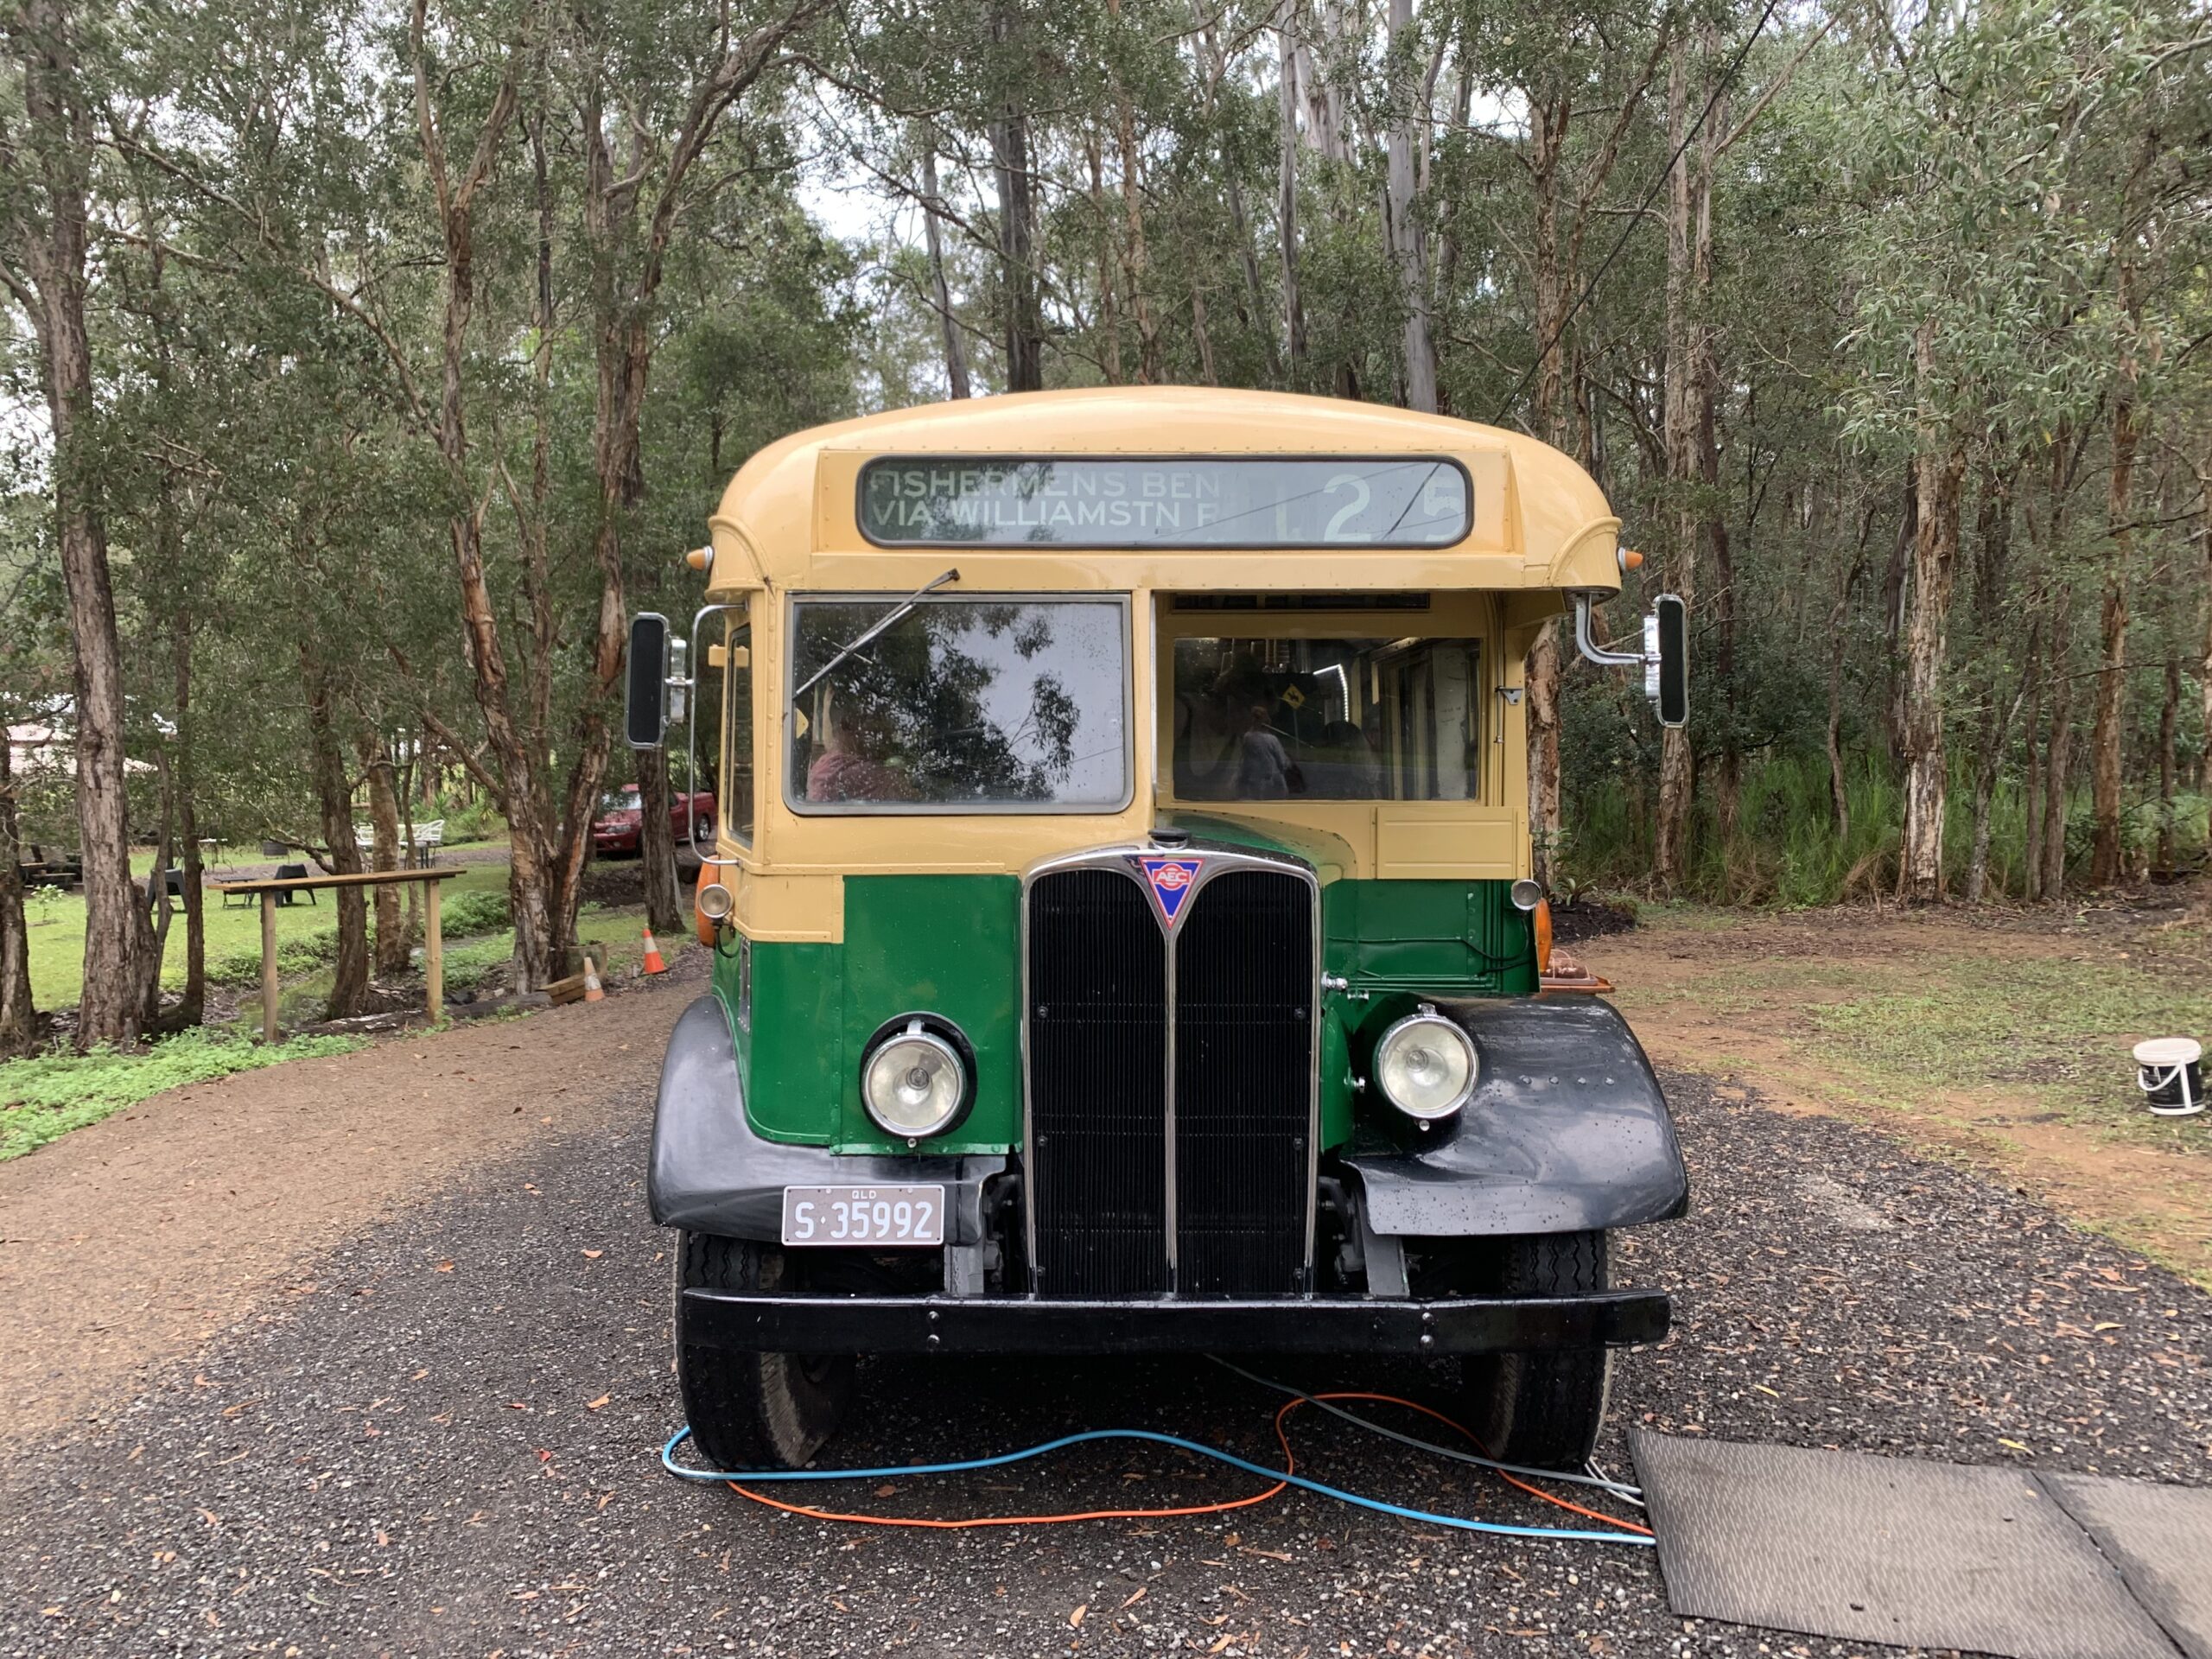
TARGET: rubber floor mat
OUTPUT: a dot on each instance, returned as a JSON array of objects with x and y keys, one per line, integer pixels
[
  {"x": 1883, "y": 1549},
  {"x": 2160, "y": 1538}
]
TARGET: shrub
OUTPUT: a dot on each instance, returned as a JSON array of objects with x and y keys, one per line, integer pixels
[{"x": 476, "y": 911}]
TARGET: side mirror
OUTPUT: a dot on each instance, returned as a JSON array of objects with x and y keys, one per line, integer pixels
[
  {"x": 645, "y": 716},
  {"x": 1667, "y": 658}
]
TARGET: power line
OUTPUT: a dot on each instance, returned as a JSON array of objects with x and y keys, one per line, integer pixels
[{"x": 1629, "y": 228}]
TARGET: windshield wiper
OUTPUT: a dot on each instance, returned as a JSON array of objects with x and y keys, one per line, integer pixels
[{"x": 896, "y": 613}]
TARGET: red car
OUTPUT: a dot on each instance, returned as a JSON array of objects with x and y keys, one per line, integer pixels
[{"x": 616, "y": 827}]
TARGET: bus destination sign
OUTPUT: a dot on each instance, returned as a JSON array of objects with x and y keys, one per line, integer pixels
[{"x": 1201, "y": 502}]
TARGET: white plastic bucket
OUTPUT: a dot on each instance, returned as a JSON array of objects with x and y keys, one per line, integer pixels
[{"x": 2169, "y": 1072}]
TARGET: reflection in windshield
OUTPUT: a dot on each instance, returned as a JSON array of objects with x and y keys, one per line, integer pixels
[
  {"x": 1331, "y": 720},
  {"x": 961, "y": 702}
]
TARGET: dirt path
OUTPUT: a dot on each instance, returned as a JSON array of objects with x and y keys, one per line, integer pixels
[
  {"x": 1760, "y": 1001},
  {"x": 131, "y": 1242}
]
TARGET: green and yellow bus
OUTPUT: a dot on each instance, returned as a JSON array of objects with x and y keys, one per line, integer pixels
[{"x": 1120, "y": 895}]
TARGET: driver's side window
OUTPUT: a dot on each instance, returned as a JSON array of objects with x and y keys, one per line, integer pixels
[{"x": 738, "y": 794}]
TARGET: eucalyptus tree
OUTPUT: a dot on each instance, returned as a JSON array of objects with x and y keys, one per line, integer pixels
[{"x": 53, "y": 102}]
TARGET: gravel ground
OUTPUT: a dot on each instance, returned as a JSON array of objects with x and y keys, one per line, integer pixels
[{"x": 448, "y": 1447}]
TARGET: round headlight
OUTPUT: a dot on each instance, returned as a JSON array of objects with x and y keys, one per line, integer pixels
[
  {"x": 1425, "y": 1066},
  {"x": 1526, "y": 894},
  {"x": 715, "y": 901},
  {"x": 913, "y": 1083}
]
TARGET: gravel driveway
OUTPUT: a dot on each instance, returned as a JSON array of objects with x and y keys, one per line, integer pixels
[{"x": 448, "y": 1445}]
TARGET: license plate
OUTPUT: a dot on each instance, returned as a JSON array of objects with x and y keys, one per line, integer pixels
[{"x": 864, "y": 1215}]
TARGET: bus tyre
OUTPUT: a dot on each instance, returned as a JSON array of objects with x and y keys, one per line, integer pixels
[
  {"x": 753, "y": 1411},
  {"x": 1543, "y": 1410}
]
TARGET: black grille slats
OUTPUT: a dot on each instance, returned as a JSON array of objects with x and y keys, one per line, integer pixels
[
  {"x": 1097, "y": 1085},
  {"x": 1245, "y": 985},
  {"x": 1240, "y": 1005}
]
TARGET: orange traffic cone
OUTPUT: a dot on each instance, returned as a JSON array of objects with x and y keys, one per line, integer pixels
[
  {"x": 593, "y": 992},
  {"x": 653, "y": 964}
]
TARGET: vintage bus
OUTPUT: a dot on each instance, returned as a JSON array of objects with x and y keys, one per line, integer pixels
[{"x": 1124, "y": 940}]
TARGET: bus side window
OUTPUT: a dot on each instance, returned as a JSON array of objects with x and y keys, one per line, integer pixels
[{"x": 736, "y": 750}]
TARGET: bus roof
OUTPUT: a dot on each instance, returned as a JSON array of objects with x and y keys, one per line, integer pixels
[{"x": 789, "y": 518}]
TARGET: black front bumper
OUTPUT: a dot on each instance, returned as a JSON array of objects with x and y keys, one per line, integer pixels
[{"x": 949, "y": 1324}]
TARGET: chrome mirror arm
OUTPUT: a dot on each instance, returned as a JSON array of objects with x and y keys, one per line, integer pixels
[{"x": 1592, "y": 650}]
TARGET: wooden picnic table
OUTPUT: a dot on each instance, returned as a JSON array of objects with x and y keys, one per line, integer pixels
[{"x": 434, "y": 961}]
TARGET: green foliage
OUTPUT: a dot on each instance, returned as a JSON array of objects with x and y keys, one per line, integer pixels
[
  {"x": 45, "y": 1097},
  {"x": 472, "y": 912}
]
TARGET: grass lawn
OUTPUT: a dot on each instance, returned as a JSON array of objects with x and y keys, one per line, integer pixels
[{"x": 56, "y": 921}]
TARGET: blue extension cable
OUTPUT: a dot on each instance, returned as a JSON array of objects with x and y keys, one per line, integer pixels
[{"x": 970, "y": 1465}]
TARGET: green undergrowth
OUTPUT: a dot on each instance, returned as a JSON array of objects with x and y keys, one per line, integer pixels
[
  {"x": 1783, "y": 849},
  {"x": 44, "y": 1098}
]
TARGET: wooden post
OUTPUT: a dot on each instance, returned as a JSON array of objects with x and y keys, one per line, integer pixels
[
  {"x": 434, "y": 954},
  {"x": 268, "y": 967}
]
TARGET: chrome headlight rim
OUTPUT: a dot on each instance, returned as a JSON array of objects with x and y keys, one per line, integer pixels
[
  {"x": 1423, "y": 1018},
  {"x": 950, "y": 1042},
  {"x": 715, "y": 901}
]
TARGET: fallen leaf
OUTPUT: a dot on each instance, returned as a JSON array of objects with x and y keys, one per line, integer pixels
[
  {"x": 445, "y": 1267},
  {"x": 885, "y": 1490},
  {"x": 2015, "y": 1444},
  {"x": 593, "y": 1405},
  {"x": 593, "y": 1255},
  {"x": 1076, "y": 1617},
  {"x": 1137, "y": 1596}
]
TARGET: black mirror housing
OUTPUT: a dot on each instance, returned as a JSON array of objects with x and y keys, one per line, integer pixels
[
  {"x": 645, "y": 716},
  {"x": 1668, "y": 660}
]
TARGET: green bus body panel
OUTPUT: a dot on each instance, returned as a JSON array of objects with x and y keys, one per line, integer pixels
[
  {"x": 942, "y": 944},
  {"x": 950, "y": 945}
]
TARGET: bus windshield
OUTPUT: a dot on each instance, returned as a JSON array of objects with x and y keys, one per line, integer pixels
[
  {"x": 961, "y": 705},
  {"x": 1328, "y": 719}
]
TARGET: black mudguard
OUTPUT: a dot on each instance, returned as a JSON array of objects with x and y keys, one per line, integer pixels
[
  {"x": 711, "y": 1173},
  {"x": 1567, "y": 1132}
]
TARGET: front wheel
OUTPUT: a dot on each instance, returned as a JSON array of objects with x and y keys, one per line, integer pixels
[
  {"x": 753, "y": 1411},
  {"x": 1542, "y": 1410}
]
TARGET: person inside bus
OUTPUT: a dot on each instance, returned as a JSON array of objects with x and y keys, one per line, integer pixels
[{"x": 848, "y": 766}]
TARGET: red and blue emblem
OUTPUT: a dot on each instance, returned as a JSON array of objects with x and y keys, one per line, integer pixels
[{"x": 1171, "y": 880}]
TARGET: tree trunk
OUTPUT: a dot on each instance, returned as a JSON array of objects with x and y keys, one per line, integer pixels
[
  {"x": 1025, "y": 342},
  {"x": 2169, "y": 726},
  {"x": 2030, "y": 796},
  {"x": 1896, "y": 587},
  {"x": 1136, "y": 256},
  {"x": 393, "y": 938},
  {"x": 663, "y": 897},
  {"x": 1997, "y": 726},
  {"x": 1941, "y": 470},
  {"x": 18, "y": 1018},
  {"x": 2058, "y": 750},
  {"x": 1839, "y": 639},
  {"x": 1542, "y": 679},
  {"x": 58, "y": 133},
  {"x": 2204, "y": 664},
  {"x": 191, "y": 1008},
  {"x": 1408, "y": 241},
  {"x": 349, "y": 984},
  {"x": 1294, "y": 314},
  {"x": 1678, "y": 775},
  {"x": 2106, "y": 738},
  {"x": 955, "y": 354}
]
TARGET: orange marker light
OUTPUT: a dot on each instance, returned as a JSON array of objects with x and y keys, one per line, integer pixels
[
  {"x": 700, "y": 558},
  {"x": 1541, "y": 918},
  {"x": 1630, "y": 560}
]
